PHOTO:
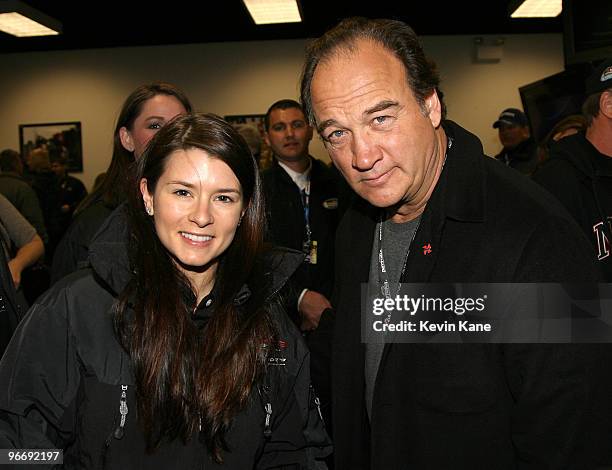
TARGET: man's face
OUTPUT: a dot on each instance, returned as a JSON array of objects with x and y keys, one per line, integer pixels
[
  {"x": 377, "y": 134},
  {"x": 288, "y": 135},
  {"x": 512, "y": 135},
  {"x": 59, "y": 169}
]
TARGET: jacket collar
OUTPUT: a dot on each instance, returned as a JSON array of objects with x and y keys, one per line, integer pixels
[
  {"x": 108, "y": 253},
  {"x": 459, "y": 195},
  {"x": 317, "y": 170},
  {"x": 462, "y": 183},
  {"x": 579, "y": 152}
]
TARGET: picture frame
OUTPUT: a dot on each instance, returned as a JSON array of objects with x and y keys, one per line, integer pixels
[{"x": 59, "y": 138}]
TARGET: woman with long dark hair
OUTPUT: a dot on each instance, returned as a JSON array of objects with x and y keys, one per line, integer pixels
[
  {"x": 173, "y": 350},
  {"x": 146, "y": 110}
]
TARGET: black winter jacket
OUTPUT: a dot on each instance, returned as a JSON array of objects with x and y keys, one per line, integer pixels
[
  {"x": 64, "y": 374},
  {"x": 468, "y": 406},
  {"x": 580, "y": 177},
  {"x": 523, "y": 158}
]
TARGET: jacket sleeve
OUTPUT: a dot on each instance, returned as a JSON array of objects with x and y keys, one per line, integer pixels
[
  {"x": 298, "y": 437},
  {"x": 558, "y": 389},
  {"x": 40, "y": 377},
  {"x": 18, "y": 228},
  {"x": 30, "y": 208}
]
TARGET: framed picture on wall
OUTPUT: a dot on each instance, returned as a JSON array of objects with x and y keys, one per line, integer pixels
[
  {"x": 60, "y": 139},
  {"x": 252, "y": 128}
]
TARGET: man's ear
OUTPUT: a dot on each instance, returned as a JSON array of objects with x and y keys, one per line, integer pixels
[
  {"x": 526, "y": 132},
  {"x": 267, "y": 139},
  {"x": 126, "y": 139},
  {"x": 605, "y": 104},
  {"x": 433, "y": 107}
]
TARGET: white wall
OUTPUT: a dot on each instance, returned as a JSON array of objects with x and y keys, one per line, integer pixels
[
  {"x": 240, "y": 78},
  {"x": 476, "y": 93}
]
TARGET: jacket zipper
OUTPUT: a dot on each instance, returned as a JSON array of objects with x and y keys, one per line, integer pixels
[
  {"x": 119, "y": 431},
  {"x": 123, "y": 410},
  {"x": 267, "y": 406},
  {"x": 317, "y": 402},
  {"x": 267, "y": 426}
]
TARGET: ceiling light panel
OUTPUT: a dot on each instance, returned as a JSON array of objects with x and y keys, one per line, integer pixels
[
  {"x": 538, "y": 9},
  {"x": 273, "y": 11},
  {"x": 21, "y": 20},
  {"x": 22, "y": 26}
]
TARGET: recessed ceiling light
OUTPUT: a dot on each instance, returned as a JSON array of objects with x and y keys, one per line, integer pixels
[
  {"x": 274, "y": 11},
  {"x": 21, "y": 20},
  {"x": 538, "y": 9}
]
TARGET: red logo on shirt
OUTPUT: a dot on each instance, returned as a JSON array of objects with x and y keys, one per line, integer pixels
[{"x": 427, "y": 249}]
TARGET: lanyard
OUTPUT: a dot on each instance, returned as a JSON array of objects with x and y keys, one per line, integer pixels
[
  {"x": 382, "y": 274},
  {"x": 305, "y": 193}
]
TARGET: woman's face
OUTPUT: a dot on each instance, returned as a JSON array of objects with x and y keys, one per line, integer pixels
[
  {"x": 197, "y": 205},
  {"x": 155, "y": 113}
]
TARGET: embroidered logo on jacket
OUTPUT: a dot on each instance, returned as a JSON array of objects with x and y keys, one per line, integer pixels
[
  {"x": 276, "y": 356},
  {"x": 603, "y": 243}
]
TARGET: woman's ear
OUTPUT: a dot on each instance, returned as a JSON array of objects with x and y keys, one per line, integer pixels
[
  {"x": 147, "y": 198},
  {"x": 126, "y": 139}
]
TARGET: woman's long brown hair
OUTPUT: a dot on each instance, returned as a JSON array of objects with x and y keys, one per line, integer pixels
[{"x": 188, "y": 378}]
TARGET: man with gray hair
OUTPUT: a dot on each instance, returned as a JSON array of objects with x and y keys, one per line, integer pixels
[{"x": 433, "y": 209}]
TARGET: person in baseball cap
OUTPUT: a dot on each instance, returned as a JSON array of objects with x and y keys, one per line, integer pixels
[
  {"x": 579, "y": 170},
  {"x": 511, "y": 117},
  {"x": 600, "y": 79},
  {"x": 519, "y": 149}
]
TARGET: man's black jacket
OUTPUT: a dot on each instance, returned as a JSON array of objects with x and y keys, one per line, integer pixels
[
  {"x": 287, "y": 225},
  {"x": 580, "y": 177},
  {"x": 467, "y": 406}
]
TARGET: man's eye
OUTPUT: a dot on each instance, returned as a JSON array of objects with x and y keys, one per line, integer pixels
[
  {"x": 181, "y": 192},
  {"x": 278, "y": 128},
  {"x": 381, "y": 119},
  {"x": 155, "y": 125},
  {"x": 335, "y": 135},
  {"x": 299, "y": 124},
  {"x": 224, "y": 198}
]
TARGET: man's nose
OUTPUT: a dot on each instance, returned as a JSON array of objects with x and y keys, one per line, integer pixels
[{"x": 365, "y": 152}]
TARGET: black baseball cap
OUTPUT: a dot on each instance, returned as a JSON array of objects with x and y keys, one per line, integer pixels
[
  {"x": 600, "y": 79},
  {"x": 511, "y": 117}
]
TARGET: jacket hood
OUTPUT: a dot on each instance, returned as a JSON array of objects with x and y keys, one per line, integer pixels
[
  {"x": 108, "y": 257},
  {"x": 108, "y": 251},
  {"x": 572, "y": 149}
]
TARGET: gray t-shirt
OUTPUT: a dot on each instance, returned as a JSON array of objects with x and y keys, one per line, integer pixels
[
  {"x": 396, "y": 240},
  {"x": 15, "y": 230}
]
